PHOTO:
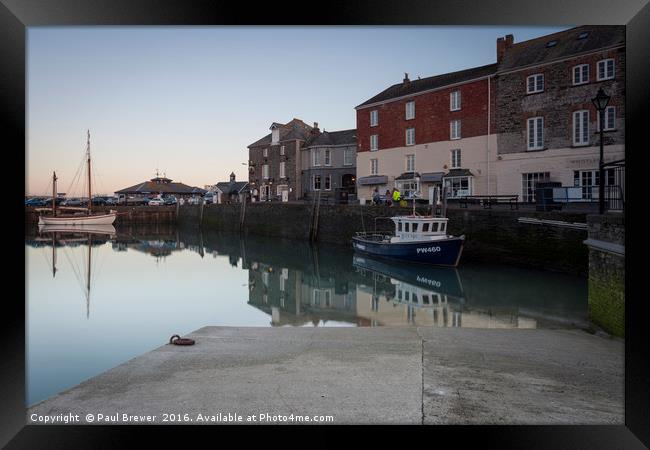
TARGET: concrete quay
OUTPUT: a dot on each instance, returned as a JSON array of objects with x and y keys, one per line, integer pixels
[{"x": 383, "y": 375}]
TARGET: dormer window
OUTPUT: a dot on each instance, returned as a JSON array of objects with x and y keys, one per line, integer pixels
[{"x": 275, "y": 134}]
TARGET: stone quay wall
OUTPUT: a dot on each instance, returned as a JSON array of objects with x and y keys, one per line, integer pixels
[
  {"x": 606, "y": 243},
  {"x": 491, "y": 235}
]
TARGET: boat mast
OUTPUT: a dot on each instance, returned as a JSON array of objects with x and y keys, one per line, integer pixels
[
  {"x": 90, "y": 247},
  {"x": 90, "y": 202},
  {"x": 54, "y": 194}
]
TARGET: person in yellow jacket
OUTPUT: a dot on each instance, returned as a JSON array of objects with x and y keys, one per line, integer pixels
[{"x": 396, "y": 196}]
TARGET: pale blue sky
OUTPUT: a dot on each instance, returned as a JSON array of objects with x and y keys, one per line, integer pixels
[{"x": 188, "y": 100}]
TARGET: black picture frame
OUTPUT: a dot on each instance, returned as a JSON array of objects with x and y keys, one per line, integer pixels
[{"x": 16, "y": 15}]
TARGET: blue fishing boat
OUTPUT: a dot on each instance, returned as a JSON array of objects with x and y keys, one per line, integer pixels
[{"x": 420, "y": 239}]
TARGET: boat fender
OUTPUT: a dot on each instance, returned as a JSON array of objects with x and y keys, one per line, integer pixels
[{"x": 180, "y": 341}]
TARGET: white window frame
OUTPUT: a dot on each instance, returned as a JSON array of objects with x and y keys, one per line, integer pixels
[
  {"x": 456, "y": 158},
  {"x": 454, "y": 101},
  {"x": 410, "y": 163},
  {"x": 265, "y": 171},
  {"x": 328, "y": 182},
  {"x": 607, "y": 115},
  {"x": 313, "y": 183},
  {"x": 454, "y": 131},
  {"x": 328, "y": 157},
  {"x": 315, "y": 157},
  {"x": 282, "y": 169},
  {"x": 410, "y": 110},
  {"x": 374, "y": 166},
  {"x": 265, "y": 153},
  {"x": 374, "y": 118},
  {"x": 410, "y": 133},
  {"x": 374, "y": 139},
  {"x": 454, "y": 184},
  {"x": 536, "y": 88},
  {"x": 348, "y": 157},
  {"x": 275, "y": 135},
  {"x": 581, "y": 124},
  {"x": 282, "y": 150},
  {"x": 605, "y": 61},
  {"x": 537, "y": 129},
  {"x": 582, "y": 80}
]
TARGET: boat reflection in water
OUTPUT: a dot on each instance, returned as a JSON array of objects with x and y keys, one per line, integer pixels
[{"x": 63, "y": 236}]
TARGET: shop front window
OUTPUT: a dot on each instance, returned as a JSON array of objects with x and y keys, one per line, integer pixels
[{"x": 458, "y": 186}]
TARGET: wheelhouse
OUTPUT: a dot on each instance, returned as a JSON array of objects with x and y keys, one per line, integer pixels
[{"x": 414, "y": 228}]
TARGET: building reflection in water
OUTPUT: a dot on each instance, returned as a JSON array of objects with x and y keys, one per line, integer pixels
[{"x": 299, "y": 284}]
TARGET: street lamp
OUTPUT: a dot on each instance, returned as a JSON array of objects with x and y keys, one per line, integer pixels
[{"x": 600, "y": 102}]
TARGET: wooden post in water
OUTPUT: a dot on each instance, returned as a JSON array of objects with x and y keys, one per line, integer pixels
[
  {"x": 242, "y": 217},
  {"x": 178, "y": 207},
  {"x": 201, "y": 214}
]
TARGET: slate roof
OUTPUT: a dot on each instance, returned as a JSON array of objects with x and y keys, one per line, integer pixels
[
  {"x": 535, "y": 51},
  {"x": 232, "y": 187},
  {"x": 425, "y": 84},
  {"x": 295, "y": 129},
  {"x": 157, "y": 185},
  {"x": 344, "y": 137}
]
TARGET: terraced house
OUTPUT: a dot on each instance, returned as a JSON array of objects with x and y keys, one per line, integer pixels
[
  {"x": 329, "y": 163},
  {"x": 500, "y": 128},
  {"x": 547, "y": 126},
  {"x": 417, "y": 134},
  {"x": 275, "y": 164}
]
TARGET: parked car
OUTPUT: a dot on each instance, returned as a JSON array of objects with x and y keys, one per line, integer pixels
[
  {"x": 194, "y": 200},
  {"x": 48, "y": 202},
  {"x": 35, "y": 202},
  {"x": 156, "y": 202},
  {"x": 74, "y": 201},
  {"x": 209, "y": 198},
  {"x": 103, "y": 200},
  {"x": 170, "y": 200}
]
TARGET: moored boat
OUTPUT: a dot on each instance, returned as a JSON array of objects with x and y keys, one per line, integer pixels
[
  {"x": 420, "y": 239},
  {"x": 77, "y": 216}
]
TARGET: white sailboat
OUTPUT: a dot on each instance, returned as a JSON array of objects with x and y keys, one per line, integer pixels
[{"x": 77, "y": 216}]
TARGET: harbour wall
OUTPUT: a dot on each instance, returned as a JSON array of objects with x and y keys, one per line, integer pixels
[
  {"x": 606, "y": 244},
  {"x": 491, "y": 235}
]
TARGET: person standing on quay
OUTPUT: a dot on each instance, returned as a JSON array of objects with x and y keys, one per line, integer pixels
[
  {"x": 388, "y": 198},
  {"x": 396, "y": 196}
]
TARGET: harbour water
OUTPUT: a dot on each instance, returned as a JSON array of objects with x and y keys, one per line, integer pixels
[{"x": 94, "y": 301}]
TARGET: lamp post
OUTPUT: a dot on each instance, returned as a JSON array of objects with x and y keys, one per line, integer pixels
[{"x": 600, "y": 102}]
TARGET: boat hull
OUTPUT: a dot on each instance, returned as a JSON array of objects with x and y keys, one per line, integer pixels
[
  {"x": 101, "y": 219},
  {"x": 443, "y": 252}
]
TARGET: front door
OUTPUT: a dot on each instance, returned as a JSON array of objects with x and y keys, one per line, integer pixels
[{"x": 434, "y": 195}]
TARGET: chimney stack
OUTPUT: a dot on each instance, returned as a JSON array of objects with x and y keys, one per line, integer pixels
[
  {"x": 315, "y": 131},
  {"x": 406, "y": 80},
  {"x": 503, "y": 44}
]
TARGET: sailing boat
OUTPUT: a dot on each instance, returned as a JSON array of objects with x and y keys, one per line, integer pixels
[{"x": 83, "y": 216}]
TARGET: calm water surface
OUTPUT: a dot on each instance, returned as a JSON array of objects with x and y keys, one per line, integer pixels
[{"x": 96, "y": 300}]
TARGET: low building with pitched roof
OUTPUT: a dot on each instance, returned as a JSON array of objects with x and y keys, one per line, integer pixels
[
  {"x": 161, "y": 186},
  {"x": 232, "y": 191}
]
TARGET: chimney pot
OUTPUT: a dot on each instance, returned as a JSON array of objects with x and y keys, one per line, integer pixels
[{"x": 406, "y": 78}]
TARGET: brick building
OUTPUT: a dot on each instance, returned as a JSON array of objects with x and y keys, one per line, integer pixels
[
  {"x": 499, "y": 128},
  {"x": 275, "y": 162},
  {"x": 547, "y": 126},
  {"x": 419, "y": 132}
]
